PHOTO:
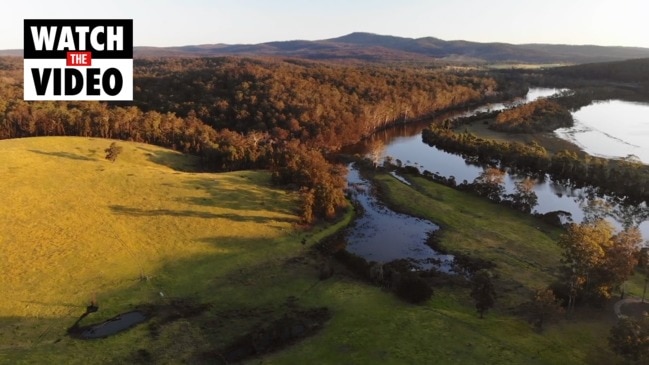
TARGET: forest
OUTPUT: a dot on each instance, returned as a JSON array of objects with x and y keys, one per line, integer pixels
[{"x": 242, "y": 113}]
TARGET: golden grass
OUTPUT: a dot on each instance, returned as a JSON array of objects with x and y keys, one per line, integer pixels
[{"x": 73, "y": 224}]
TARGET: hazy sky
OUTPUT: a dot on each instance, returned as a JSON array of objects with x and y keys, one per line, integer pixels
[{"x": 170, "y": 23}]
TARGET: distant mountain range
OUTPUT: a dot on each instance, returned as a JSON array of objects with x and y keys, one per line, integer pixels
[{"x": 382, "y": 48}]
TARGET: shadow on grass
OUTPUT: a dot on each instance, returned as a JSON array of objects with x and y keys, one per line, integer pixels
[
  {"x": 179, "y": 279},
  {"x": 174, "y": 160},
  {"x": 137, "y": 212},
  {"x": 67, "y": 155},
  {"x": 224, "y": 193}
]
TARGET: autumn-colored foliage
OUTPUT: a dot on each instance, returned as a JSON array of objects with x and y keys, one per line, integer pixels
[
  {"x": 596, "y": 260},
  {"x": 542, "y": 115},
  {"x": 238, "y": 113}
]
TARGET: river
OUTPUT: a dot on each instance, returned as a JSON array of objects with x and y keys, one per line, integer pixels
[
  {"x": 382, "y": 235},
  {"x": 404, "y": 143},
  {"x": 612, "y": 128}
]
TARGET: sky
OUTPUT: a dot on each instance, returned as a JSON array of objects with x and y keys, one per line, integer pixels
[{"x": 189, "y": 22}]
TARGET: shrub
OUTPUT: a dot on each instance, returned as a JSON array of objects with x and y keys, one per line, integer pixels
[
  {"x": 413, "y": 288},
  {"x": 354, "y": 263},
  {"x": 113, "y": 151}
]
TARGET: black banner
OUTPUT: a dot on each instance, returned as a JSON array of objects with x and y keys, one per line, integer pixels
[{"x": 52, "y": 39}]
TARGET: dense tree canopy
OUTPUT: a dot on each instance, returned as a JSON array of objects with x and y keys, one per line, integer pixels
[
  {"x": 328, "y": 105},
  {"x": 542, "y": 115},
  {"x": 239, "y": 113}
]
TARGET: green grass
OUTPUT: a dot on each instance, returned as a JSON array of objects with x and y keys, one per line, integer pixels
[
  {"x": 523, "y": 247},
  {"x": 371, "y": 327},
  {"x": 73, "y": 224}
]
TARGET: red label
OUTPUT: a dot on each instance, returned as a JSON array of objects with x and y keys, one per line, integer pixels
[{"x": 79, "y": 59}]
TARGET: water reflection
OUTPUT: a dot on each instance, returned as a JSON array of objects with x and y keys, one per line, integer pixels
[
  {"x": 612, "y": 128},
  {"x": 404, "y": 143},
  {"x": 382, "y": 235}
]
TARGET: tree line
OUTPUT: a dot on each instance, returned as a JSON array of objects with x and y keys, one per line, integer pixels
[
  {"x": 624, "y": 178},
  {"x": 242, "y": 113}
]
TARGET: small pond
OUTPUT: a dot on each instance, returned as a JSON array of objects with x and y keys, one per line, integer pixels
[{"x": 109, "y": 327}]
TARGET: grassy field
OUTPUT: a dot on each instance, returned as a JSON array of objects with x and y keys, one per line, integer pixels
[
  {"x": 523, "y": 247},
  {"x": 73, "y": 225}
]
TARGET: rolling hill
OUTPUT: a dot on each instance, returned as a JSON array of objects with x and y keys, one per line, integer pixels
[
  {"x": 377, "y": 48},
  {"x": 74, "y": 226},
  {"x": 369, "y": 47}
]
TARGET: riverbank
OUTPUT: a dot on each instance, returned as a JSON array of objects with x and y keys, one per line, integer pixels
[
  {"x": 523, "y": 247},
  {"x": 548, "y": 140},
  {"x": 526, "y": 257},
  {"x": 403, "y": 145}
]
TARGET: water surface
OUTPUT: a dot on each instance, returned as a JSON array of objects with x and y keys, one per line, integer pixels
[
  {"x": 404, "y": 143},
  {"x": 382, "y": 235},
  {"x": 612, "y": 128},
  {"x": 112, "y": 326}
]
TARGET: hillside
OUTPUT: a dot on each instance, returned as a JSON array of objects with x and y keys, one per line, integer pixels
[
  {"x": 380, "y": 48},
  {"x": 74, "y": 225},
  {"x": 369, "y": 47},
  {"x": 86, "y": 225},
  {"x": 222, "y": 252},
  {"x": 629, "y": 71}
]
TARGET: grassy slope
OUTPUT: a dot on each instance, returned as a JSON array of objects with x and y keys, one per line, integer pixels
[
  {"x": 85, "y": 225},
  {"x": 446, "y": 330},
  {"x": 73, "y": 224}
]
